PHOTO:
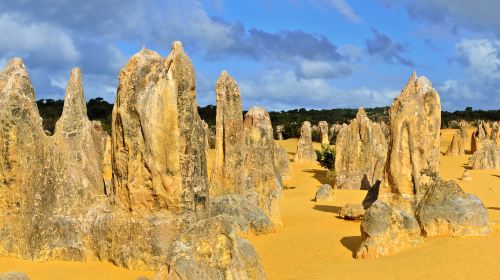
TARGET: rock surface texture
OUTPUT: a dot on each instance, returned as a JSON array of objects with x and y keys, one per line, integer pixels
[
  {"x": 261, "y": 174},
  {"x": 361, "y": 151},
  {"x": 282, "y": 161},
  {"x": 323, "y": 130},
  {"x": 487, "y": 157},
  {"x": 227, "y": 170},
  {"x": 478, "y": 136},
  {"x": 324, "y": 193},
  {"x": 305, "y": 151},
  {"x": 53, "y": 202},
  {"x": 352, "y": 212},
  {"x": 412, "y": 200},
  {"x": 456, "y": 147}
]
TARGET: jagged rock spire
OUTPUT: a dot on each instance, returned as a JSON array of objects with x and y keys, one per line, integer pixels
[
  {"x": 75, "y": 108},
  {"x": 14, "y": 79}
]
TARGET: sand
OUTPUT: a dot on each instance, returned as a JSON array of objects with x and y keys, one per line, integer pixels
[{"x": 315, "y": 244}]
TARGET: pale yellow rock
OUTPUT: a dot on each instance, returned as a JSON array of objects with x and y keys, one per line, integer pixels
[
  {"x": 305, "y": 151},
  {"x": 456, "y": 147},
  {"x": 227, "y": 170},
  {"x": 323, "y": 129}
]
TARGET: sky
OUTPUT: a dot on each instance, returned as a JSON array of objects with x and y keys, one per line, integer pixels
[{"x": 284, "y": 54}]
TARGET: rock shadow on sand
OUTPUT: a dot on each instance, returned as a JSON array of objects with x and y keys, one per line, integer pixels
[
  {"x": 351, "y": 242},
  {"x": 319, "y": 175},
  {"x": 327, "y": 208}
]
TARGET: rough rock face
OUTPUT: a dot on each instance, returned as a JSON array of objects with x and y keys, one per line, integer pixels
[
  {"x": 305, "y": 151},
  {"x": 478, "y": 136},
  {"x": 282, "y": 161},
  {"x": 495, "y": 133},
  {"x": 415, "y": 119},
  {"x": 206, "y": 130},
  {"x": 227, "y": 169},
  {"x": 385, "y": 230},
  {"x": 324, "y": 193},
  {"x": 261, "y": 174},
  {"x": 386, "y": 130},
  {"x": 146, "y": 178},
  {"x": 46, "y": 183},
  {"x": 243, "y": 210},
  {"x": 334, "y": 131},
  {"x": 211, "y": 250},
  {"x": 463, "y": 130},
  {"x": 456, "y": 147},
  {"x": 447, "y": 210},
  {"x": 279, "y": 131},
  {"x": 352, "y": 212},
  {"x": 487, "y": 157},
  {"x": 412, "y": 198},
  {"x": 361, "y": 151},
  {"x": 323, "y": 129}
]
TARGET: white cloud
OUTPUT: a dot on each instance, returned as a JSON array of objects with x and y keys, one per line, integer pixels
[
  {"x": 481, "y": 56},
  {"x": 42, "y": 42},
  {"x": 343, "y": 8}
]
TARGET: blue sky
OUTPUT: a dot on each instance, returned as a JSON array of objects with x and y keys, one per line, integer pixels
[{"x": 284, "y": 54}]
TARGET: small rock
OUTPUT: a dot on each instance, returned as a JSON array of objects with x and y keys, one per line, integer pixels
[
  {"x": 13, "y": 276},
  {"x": 466, "y": 176},
  {"x": 324, "y": 193},
  {"x": 352, "y": 212}
]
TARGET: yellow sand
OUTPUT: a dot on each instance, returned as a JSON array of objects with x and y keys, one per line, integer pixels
[{"x": 315, "y": 244}]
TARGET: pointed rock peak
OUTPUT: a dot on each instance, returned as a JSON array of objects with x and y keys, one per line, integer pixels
[
  {"x": 14, "y": 79},
  {"x": 16, "y": 62},
  {"x": 361, "y": 112},
  {"x": 177, "y": 46},
  {"x": 257, "y": 113},
  {"x": 75, "y": 108},
  {"x": 226, "y": 85},
  {"x": 146, "y": 53}
]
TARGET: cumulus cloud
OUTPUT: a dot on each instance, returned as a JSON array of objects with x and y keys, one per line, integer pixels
[
  {"x": 387, "y": 49},
  {"x": 481, "y": 57}
]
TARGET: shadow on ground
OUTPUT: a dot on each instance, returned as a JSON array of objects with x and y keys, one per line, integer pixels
[
  {"x": 498, "y": 176},
  {"x": 319, "y": 175},
  {"x": 494, "y": 208},
  {"x": 327, "y": 208},
  {"x": 351, "y": 242}
]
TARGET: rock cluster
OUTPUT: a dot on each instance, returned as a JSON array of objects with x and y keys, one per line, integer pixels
[
  {"x": 155, "y": 215},
  {"x": 412, "y": 200},
  {"x": 361, "y": 151},
  {"x": 478, "y": 136},
  {"x": 305, "y": 151},
  {"x": 456, "y": 147},
  {"x": 323, "y": 130}
]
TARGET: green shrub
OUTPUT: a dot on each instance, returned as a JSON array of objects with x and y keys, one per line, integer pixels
[{"x": 326, "y": 157}]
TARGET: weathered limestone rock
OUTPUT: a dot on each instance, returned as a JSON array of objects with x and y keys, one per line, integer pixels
[
  {"x": 47, "y": 183},
  {"x": 261, "y": 174},
  {"x": 478, "y": 136},
  {"x": 243, "y": 210},
  {"x": 487, "y": 157},
  {"x": 206, "y": 130},
  {"x": 211, "y": 250},
  {"x": 466, "y": 176},
  {"x": 305, "y": 151},
  {"x": 361, "y": 151},
  {"x": 415, "y": 120},
  {"x": 495, "y": 133},
  {"x": 386, "y": 230},
  {"x": 352, "y": 212},
  {"x": 282, "y": 161},
  {"x": 146, "y": 177},
  {"x": 386, "y": 130},
  {"x": 279, "y": 131},
  {"x": 324, "y": 193},
  {"x": 463, "y": 130},
  {"x": 412, "y": 198},
  {"x": 13, "y": 276},
  {"x": 456, "y": 147},
  {"x": 227, "y": 172},
  {"x": 334, "y": 131},
  {"x": 323, "y": 129},
  {"x": 445, "y": 210}
]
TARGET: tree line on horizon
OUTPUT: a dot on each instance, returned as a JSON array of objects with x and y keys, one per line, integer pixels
[{"x": 99, "y": 109}]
